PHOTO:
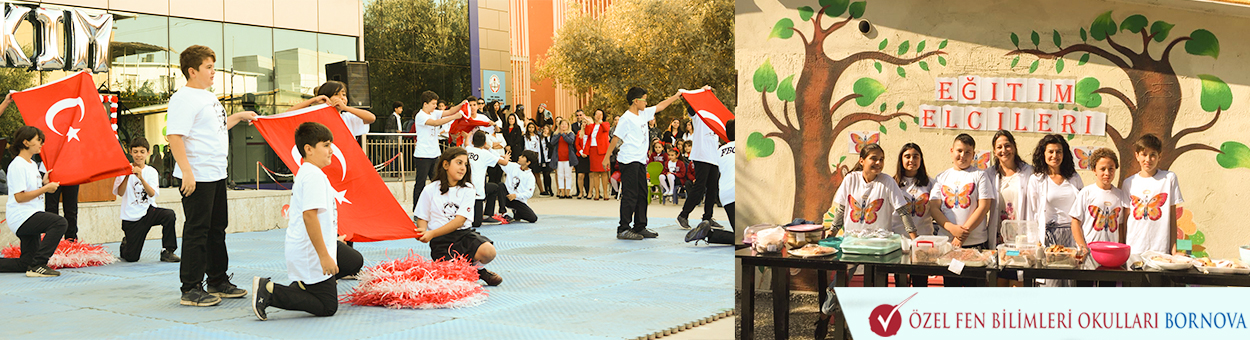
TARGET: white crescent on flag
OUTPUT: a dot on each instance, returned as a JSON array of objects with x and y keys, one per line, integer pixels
[{"x": 61, "y": 105}]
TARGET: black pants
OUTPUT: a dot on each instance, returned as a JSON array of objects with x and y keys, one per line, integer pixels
[
  {"x": 36, "y": 251},
  {"x": 522, "y": 211},
  {"x": 136, "y": 232},
  {"x": 320, "y": 299},
  {"x": 718, "y": 236},
  {"x": 546, "y": 180},
  {"x": 494, "y": 174},
  {"x": 204, "y": 235},
  {"x": 349, "y": 260},
  {"x": 422, "y": 168},
  {"x": 69, "y": 195},
  {"x": 633, "y": 196},
  {"x": 494, "y": 193},
  {"x": 706, "y": 184}
]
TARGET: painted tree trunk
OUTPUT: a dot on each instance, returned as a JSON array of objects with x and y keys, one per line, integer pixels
[
  {"x": 1158, "y": 97},
  {"x": 814, "y": 182}
]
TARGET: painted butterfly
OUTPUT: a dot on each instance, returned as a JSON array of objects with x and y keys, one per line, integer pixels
[
  {"x": 963, "y": 198},
  {"x": 917, "y": 206},
  {"x": 863, "y": 140},
  {"x": 1105, "y": 218},
  {"x": 1082, "y": 159},
  {"x": 1152, "y": 209},
  {"x": 866, "y": 213},
  {"x": 982, "y": 161}
]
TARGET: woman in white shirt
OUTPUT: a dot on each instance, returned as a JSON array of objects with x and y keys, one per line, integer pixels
[
  {"x": 1010, "y": 176},
  {"x": 1053, "y": 188}
]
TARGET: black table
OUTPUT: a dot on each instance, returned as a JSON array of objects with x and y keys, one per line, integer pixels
[
  {"x": 1089, "y": 270},
  {"x": 1194, "y": 276}
]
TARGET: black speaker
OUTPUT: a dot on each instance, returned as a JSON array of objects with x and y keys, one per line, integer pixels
[{"x": 356, "y": 75}]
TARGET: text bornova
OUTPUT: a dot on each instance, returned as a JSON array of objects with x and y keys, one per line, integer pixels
[{"x": 976, "y": 90}]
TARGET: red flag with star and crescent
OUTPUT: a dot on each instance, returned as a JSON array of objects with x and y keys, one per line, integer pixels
[
  {"x": 367, "y": 210},
  {"x": 711, "y": 111},
  {"x": 80, "y": 145},
  {"x": 466, "y": 122}
]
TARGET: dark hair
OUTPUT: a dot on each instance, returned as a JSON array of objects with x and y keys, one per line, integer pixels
[
  {"x": 443, "y": 103},
  {"x": 479, "y": 139},
  {"x": 1148, "y": 141},
  {"x": 23, "y": 134},
  {"x": 864, "y": 152},
  {"x": 729, "y": 129},
  {"x": 922, "y": 175},
  {"x": 139, "y": 142},
  {"x": 966, "y": 139},
  {"x": 531, "y": 129},
  {"x": 605, "y": 114},
  {"x": 471, "y": 99},
  {"x": 1103, "y": 153},
  {"x": 311, "y": 133},
  {"x": 634, "y": 93},
  {"x": 530, "y": 156},
  {"x": 1010, "y": 139},
  {"x": 440, "y": 172},
  {"x": 427, "y": 96},
  {"x": 193, "y": 57},
  {"x": 1067, "y": 168},
  {"x": 397, "y": 104},
  {"x": 331, "y": 88}
]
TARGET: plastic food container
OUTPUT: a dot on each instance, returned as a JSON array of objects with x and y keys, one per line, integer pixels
[
  {"x": 801, "y": 235},
  {"x": 1020, "y": 232},
  {"x": 748, "y": 235},
  {"x": 871, "y": 246},
  {"x": 1011, "y": 255},
  {"x": 1060, "y": 259},
  {"x": 771, "y": 240},
  {"x": 927, "y": 251},
  {"x": 970, "y": 258},
  {"x": 1109, "y": 254}
]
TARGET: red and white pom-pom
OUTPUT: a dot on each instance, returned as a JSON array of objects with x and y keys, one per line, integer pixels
[
  {"x": 416, "y": 282},
  {"x": 70, "y": 254}
]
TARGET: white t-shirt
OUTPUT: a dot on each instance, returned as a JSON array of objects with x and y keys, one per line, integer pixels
[
  {"x": 594, "y": 131},
  {"x": 354, "y": 123},
  {"x": 726, "y": 166},
  {"x": 1009, "y": 197},
  {"x": 22, "y": 176},
  {"x": 519, "y": 182},
  {"x": 959, "y": 193},
  {"x": 672, "y": 167},
  {"x": 427, "y": 135},
  {"x": 479, "y": 160},
  {"x": 312, "y": 191},
  {"x": 438, "y": 208},
  {"x": 702, "y": 148},
  {"x": 635, "y": 136},
  {"x": 917, "y": 208},
  {"x": 493, "y": 138},
  {"x": 200, "y": 119},
  {"x": 135, "y": 200},
  {"x": 869, "y": 205},
  {"x": 1099, "y": 212},
  {"x": 1059, "y": 199},
  {"x": 1151, "y": 199}
]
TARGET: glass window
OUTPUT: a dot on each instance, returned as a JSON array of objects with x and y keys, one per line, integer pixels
[
  {"x": 141, "y": 71},
  {"x": 248, "y": 60},
  {"x": 184, "y": 33},
  {"x": 296, "y": 68}
]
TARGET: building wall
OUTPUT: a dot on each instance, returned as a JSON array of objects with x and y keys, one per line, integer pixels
[
  {"x": 324, "y": 16},
  {"x": 519, "y": 61},
  {"x": 494, "y": 28}
]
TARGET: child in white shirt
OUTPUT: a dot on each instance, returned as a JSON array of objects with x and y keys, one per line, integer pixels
[
  {"x": 445, "y": 205},
  {"x": 39, "y": 231},
  {"x": 520, "y": 185},
  {"x": 960, "y": 198},
  {"x": 487, "y": 193},
  {"x": 1101, "y": 209},
  {"x": 1153, "y": 194},
  {"x": 139, "y": 211},
  {"x": 868, "y": 200}
]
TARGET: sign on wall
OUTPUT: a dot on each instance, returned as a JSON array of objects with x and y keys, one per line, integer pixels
[
  {"x": 86, "y": 42},
  {"x": 494, "y": 86},
  {"x": 976, "y": 90}
]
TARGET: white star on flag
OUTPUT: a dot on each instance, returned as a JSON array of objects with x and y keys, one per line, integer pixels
[
  {"x": 73, "y": 134},
  {"x": 342, "y": 197}
]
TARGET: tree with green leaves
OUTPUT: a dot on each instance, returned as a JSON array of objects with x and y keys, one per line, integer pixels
[
  {"x": 414, "y": 46},
  {"x": 13, "y": 79},
  {"x": 812, "y": 95},
  {"x": 1156, "y": 90}
]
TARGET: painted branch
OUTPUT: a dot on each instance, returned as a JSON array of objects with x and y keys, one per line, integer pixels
[
  {"x": 1204, "y": 127},
  {"x": 837, "y": 25},
  {"x": 1132, "y": 108},
  {"x": 864, "y": 116},
  {"x": 1167, "y": 52},
  {"x": 1145, "y": 43},
  {"x": 785, "y": 113},
  {"x": 1116, "y": 138},
  {"x": 885, "y": 57},
  {"x": 1127, "y": 52},
  {"x": 1114, "y": 59},
  {"x": 1191, "y": 147},
  {"x": 785, "y": 128},
  {"x": 842, "y": 101},
  {"x": 801, "y": 35},
  {"x": 776, "y": 134}
]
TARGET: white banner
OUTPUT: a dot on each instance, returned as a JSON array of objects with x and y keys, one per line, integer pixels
[{"x": 1042, "y": 313}]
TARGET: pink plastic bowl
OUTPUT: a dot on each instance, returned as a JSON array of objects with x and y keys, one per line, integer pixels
[{"x": 1109, "y": 254}]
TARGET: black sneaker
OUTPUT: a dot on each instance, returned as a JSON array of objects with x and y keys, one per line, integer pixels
[
  {"x": 683, "y": 222},
  {"x": 699, "y": 233},
  {"x": 260, "y": 297},
  {"x": 199, "y": 298},
  {"x": 226, "y": 290},
  {"x": 628, "y": 234},
  {"x": 490, "y": 277},
  {"x": 41, "y": 271},
  {"x": 715, "y": 225},
  {"x": 169, "y": 256},
  {"x": 489, "y": 220},
  {"x": 648, "y": 233}
]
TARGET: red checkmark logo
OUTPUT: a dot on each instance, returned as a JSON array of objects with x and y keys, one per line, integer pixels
[{"x": 885, "y": 320}]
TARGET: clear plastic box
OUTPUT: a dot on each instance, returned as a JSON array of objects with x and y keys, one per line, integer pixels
[
  {"x": 1061, "y": 259},
  {"x": 927, "y": 251},
  {"x": 1026, "y": 256}
]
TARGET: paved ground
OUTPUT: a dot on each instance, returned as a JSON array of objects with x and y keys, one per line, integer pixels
[{"x": 565, "y": 277}]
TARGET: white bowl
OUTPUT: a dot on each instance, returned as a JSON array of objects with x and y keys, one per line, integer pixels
[{"x": 1245, "y": 253}]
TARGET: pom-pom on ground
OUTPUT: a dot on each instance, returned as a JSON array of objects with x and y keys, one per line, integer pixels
[
  {"x": 70, "y": 254},
  {"x": 419, "y": 283}
]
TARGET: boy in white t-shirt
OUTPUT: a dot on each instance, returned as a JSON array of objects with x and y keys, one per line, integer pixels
[
  {"x": 139, "y": 211},
  {"x": 427, "y": 123},
  {"x": 196, "y": 130},
  {"x": 314, "y": 256},
  {"x": 520, "y": 185},
  {"x": 959, "y": 201},
  {"x": 1153, "y": 195},
  {"x": 40, "y": 232},
  {"x": 726, "y": 177},
  {"x": 1099, "y": 211},
  {"x": 487, "y": 193},
  {"x": 445, "y": 205},
  {"x": 632, "y": 136}
]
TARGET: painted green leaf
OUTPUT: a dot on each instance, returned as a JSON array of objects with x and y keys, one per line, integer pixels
[
  {"x": 920, "y": 46},
  {"x": 1083, "y": 35},
  {"x": 759, "y": 146},
  {"x": 785, "y": 91},
  {"x": 805, "y": 13},
  {"x": 841, "y": 159},
  {"x": 915, "y": 120},
  {"x": 902, "y": 48},
  {"x": 765, "y": 78},
  {"x": 857, "y": 9},
  {"x": 881, "y": 128},
  {"x": 899, "y": 106},
  {"x": 782, "y": 29},
  {"x": 902, "y": 125},
  {"x": 1134, "y": 23},
  {"x": 1071, "y": 136},
  {"x": 1103, "y": 27},
  {"x": 1085, "y": 95},
  {"x": 1033, "y": 67},
  {"x": 942, "y": 60},
  {"x": 1201, "y": 253},
  {"x": 1015, "y": 40},
  {"x": 1058, "y": 40},
  {"x": 1160, "y": 30},
  {"x": 1198, "y": 237},
  {"x": 1203, "y": 42},
  {"x": 924, "y": 66},
  {"x": 1084, "y": 59},
  {"x": 835, "y": 7},
  {"x": 1233, "y": 155},
  {"x": 1059, "y": 65},
  {"x": 1061, "y": 106},
  {"x": 877, "y": 65},
  {"x": 884, "y": 43},
  {"x": 1015, "y": 61},
  {"x": 1215, "y": 93},
  {"x": 868, "y": 89},
  {"x": 902, "y": 72},
  {"x": 1037, "y": 39},
  {"x": 943, "y": 44},
  {"x": 882, "y": 108}
]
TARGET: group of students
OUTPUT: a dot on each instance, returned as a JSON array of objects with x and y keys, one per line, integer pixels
[{"x": 968, "y": 205}]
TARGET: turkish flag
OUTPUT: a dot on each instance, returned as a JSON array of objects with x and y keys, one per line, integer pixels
[
  {"x": 72, "y": 117},
  {"x": 367, "y": 210},
  {"x": 466, "y": 123},
  {"x": 710, "y": 110}
]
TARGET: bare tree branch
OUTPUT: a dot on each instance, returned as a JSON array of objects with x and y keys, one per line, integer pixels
[
  {"x": 1191, "y": 147},
  {"x": 865, "y": 116},
  {"x": 1123, "y": 50},
  {"x": 1114, "y": 59},
  {"x": 1116, "y": 138},
  {"x": 839, "y": 103},
  {"x": 785, "y": 128},
  {"x": 1167, "y": 52},
  {"x": 886, "y": 57},
  {"x": 1132, "y": 108},
  {"x": 1204, "y": 127}
]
